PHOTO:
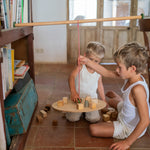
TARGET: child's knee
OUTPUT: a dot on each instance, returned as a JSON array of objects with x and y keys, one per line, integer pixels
[
  {"x": 92, "y": 129},
  {"x": 92, "y": 116},
  {"x": 73, "y": 116}
]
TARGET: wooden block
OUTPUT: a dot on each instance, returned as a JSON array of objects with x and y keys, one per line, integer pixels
[
  {"x": 39, "y": 118},
  {"x": 60, "y": 103},
  {"x": 92, "y": 105},
  {"x": 88, "y": 98},
  {"x": 46, "y": 110},
  {"x": 48, "y": 107},
  {"x": 44, "y": 113},
  {"x": 54, "y": 123},
  {"x": 80, "y": 106},
  {"x": 106, "y": 117},
  {"x": 109, "y": 121},
  {"x": 94, "y": 100},
  {"x": 65, "y": 100},
  {"x": 114, "y": 115},
  {"x": 104, "y": 110}
]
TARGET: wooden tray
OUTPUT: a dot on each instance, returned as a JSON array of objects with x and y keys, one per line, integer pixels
[{"x": 72, "y": 107}]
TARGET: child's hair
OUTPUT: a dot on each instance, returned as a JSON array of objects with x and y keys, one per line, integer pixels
[
  {"x": 132, "y": 54},
  {"x": 95, "y": 48}
]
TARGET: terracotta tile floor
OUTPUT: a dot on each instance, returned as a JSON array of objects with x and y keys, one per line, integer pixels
[{"x": 52, "y": 85}]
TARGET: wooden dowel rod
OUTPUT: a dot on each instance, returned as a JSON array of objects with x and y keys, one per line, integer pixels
[{"x": 75, "y": 21}]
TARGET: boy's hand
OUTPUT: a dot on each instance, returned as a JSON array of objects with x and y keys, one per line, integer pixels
[
  {"x": 121, "y": 145},
  {"x": 83, "y": 60}
]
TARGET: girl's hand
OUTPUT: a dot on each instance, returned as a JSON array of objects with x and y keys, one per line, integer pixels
[
  {"x": 75, "y": 97},
  {"x": 121, "y": 145}
]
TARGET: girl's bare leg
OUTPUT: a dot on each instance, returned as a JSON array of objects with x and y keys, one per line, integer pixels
[
  {"x": 114, "y": 99},
  {"x": 102, "y": 129}
]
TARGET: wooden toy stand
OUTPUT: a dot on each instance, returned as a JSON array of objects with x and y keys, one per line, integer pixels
[{"x": 72, "y": 107}]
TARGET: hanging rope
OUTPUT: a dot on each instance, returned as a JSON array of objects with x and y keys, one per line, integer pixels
[{"x": 78, "y": 57}]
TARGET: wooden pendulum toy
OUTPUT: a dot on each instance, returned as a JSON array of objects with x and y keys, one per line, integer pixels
[{"x": 86, "y": 103}]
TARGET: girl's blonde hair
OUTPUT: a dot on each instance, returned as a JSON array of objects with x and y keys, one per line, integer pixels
[
  {"x": 132, "y": 54},
  {"x": 95, "y": 48}
]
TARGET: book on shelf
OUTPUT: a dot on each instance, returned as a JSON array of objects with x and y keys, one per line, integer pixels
[
  {"x": 7, "y": 68},
  {"x": 18, "y": 63},
  {"x": 21, "y": 72},
  {"x": 3, "y": 74},
  {"x": 14, "y": 11},
  {"x": 2, "y": 15}
]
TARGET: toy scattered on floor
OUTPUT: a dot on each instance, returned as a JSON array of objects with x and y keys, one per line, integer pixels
[
  {"x": 39, "y": 118},
  {"x": 54, "y": 122},
  {"x": 109, "y": 114},
  {"x": 43, "y": 113}
]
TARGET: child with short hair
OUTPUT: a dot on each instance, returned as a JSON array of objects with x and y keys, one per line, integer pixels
[
  {"x": 133, "y": 108},
  {"x": 90, "y": 82}
]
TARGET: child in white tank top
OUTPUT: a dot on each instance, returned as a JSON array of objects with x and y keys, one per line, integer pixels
[
  {"x": 90, "y": 82},
  {"x": 133, "y": 106}
]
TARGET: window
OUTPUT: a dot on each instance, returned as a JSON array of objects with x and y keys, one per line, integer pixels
[
  {"x": 83, "y": 9},
  {"x": 143, "y": 7},
  {"x": 116, "y": 8}
]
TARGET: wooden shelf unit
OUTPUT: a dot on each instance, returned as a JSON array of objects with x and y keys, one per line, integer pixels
[{"x": 21, "y": 39}]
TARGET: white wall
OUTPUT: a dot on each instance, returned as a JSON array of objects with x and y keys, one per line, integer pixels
[{"x": 50, "y": 42}]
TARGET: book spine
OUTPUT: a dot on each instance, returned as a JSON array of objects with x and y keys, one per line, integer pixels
[
  {"x": 3, "y": 75},
  {"x": 12, "y": 63},
  {"x": 25, "y": 11},
  {"x": 8, "y": 15},
  {"x": 18, "y": 15},
  {"x": 22, "y": 5},
  {"x": 5, "y": 59},
  {"x": 2, "y": 19},
  {"x": 5, "y": 15},
  {"x": 10, "y": 80},
  {"x": 14, "y": 12}
]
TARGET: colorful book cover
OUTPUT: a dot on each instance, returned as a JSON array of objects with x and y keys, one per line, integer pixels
[{"x": 21, "y": 72}]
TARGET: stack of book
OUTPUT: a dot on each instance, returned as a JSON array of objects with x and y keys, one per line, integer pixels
[
  {"x": 11, "y": 69},
  {"x": 14, "y": 11},
  {"x": 20, "y": 72}
]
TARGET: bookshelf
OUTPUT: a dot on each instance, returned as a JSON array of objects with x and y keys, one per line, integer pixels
[{"x": 22, "y": 42}]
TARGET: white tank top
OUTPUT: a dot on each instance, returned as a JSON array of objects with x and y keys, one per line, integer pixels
[
  {"x": 129, "y": 112},
  {"x": 88, "y": 83}
]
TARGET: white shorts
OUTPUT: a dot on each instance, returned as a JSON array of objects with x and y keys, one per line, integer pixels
[
  {"x": 121, "y": 131},
  {"x": 92, "y": 116}
]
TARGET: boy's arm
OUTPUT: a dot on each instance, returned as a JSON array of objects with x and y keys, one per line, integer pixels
[
  {"x": 74, "y": 73},
  {"x": 139, "y": 95},
  {"x": 98, "y": 68},
  {"x": 101, "y": 89}
]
